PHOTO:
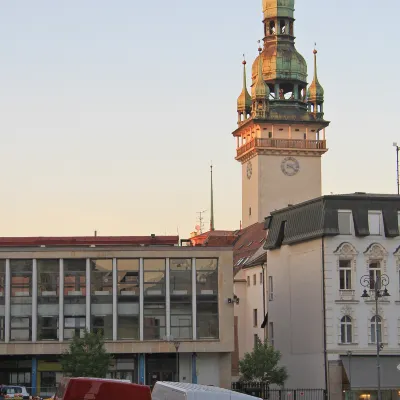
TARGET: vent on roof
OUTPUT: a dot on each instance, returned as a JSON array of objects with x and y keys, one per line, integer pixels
[
  {"x": 250, "y": 244},
  {"x": 240, "y": 246},
  {"x": 239, "y": 262},
  {"x": 262, "y": 240}
]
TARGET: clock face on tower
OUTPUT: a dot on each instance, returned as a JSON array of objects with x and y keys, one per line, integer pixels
[
  {"x": 290, "y": 166},
  {"x": 249, "y": 170}
]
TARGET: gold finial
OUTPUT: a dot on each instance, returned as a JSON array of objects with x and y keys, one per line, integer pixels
[
  {"x": 315, "y": 48},
  {"x": 244, "y": 60}
]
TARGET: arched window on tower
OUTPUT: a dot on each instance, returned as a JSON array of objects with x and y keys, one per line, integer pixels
[
  {"x": 346, "y": 330},
  {"x": 282, "y": 25},
  {"x": 272, "y": 27},
  {"x": 291, "y": 28}
]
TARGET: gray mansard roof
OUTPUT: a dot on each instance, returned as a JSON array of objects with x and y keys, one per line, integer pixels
[{"x": 319, "y": 217}]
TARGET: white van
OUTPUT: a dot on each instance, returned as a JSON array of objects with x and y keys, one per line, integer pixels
[{"x": 190, "y": 391}]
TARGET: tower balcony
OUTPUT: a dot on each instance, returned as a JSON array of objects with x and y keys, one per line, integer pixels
[{"x": 281, "y": 146}]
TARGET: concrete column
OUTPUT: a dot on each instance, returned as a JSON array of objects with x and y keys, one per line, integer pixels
[
  {"x": 141, "y": 301},
  {"x": 88, "y": 290},
  {"x": 167, "y": 299},
  {"x": 34, "y": 376},
  {"x": 194, "y": 299},
  {"x": 34, "y": 300},
  {"x": 276, "y": 91},
  {"x": 61, "y": 302},
  {"x": 237, "y": 141},
  {"x": 296, "y": 91},
  {"x": 290, "y": 131},
  {"x": 115, "y": 299},
  {"x": 7, "y": 299}
]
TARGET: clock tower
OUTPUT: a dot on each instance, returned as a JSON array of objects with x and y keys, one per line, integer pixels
[{"x": 281, "y": 127}]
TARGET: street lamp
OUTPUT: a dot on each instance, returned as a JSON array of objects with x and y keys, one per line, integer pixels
[
  {"x": 177, "y": 344},
  {"x": 376, "y": 285},
  {"x": 349, "y": 354},
  {"x": 397, "y": 167}
]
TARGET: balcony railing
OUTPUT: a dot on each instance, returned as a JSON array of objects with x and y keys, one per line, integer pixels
[{"x": 301, "y": 144}]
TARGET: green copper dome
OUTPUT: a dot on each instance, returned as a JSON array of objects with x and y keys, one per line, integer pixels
[{"x": 281, "y": 62}]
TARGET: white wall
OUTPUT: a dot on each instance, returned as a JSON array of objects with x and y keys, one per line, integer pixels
[
  {"x": 359, "y": 310},
  {"x": 208, "y": 369},
  {"x": 296, "y": 312}
]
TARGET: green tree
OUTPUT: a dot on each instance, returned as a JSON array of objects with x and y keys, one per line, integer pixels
[
  {"x": 86, "y": 357},
  {"x": 261, "y": 365}
]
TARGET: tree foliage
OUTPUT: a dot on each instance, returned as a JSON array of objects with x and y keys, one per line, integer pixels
[
  {"x": 86, "y": 357},
  {"x": 262, "y": 365}
]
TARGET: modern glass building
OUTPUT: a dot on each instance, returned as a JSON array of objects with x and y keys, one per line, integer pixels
[{"x": 162, "y": 308}]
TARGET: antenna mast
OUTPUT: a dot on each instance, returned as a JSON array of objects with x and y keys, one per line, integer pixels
[
  {"x": 200, "y": 218},
  {"x": 212, "y": 201}
]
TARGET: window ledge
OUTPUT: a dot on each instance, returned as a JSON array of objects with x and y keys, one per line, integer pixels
[
  {"x": 343, "y": 301},
  {"x": 374, "y": 344},
  {"x": 380, "y": 301},
  {"x": 348, "y": 344}
]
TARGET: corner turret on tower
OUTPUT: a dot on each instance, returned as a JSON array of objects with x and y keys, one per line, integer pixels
[
  {"x": 315, "y": 93},
  {"x": 260, "y": 93},
  {"x": 244, "y": 100}
]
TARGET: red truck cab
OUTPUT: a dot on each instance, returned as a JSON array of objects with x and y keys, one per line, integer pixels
[{"x": 100, "y": 389}]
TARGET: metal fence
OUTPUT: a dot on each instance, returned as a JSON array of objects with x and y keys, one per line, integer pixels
[{"x": 260, "y": 389}]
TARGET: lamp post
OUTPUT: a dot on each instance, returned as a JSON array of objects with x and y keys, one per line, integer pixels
[
  {"x": 349, "y": 354},
  {"x": 177, "y": 344},
  {"x": 397, "y": 167},
  {"x": 376, "y": 284}
]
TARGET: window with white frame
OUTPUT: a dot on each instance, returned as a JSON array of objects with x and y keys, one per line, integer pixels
[
  {"x": 261, "y": 278},
  {"x": 248, "y": 281},
  {"x": 345, "y": 275},
  {"x": 375, "y": 273},
  {"x": 346, "y": 330},
  {"x": 376, "y": 328},
  {"x": 270, "y": 288},
  {"x": 255, "y": 318},
  {"x": 374, "y": 223},
  {"x": 344, "y": 220},
  {"x": 254, "y": 279},
  {"x": 271, "y": 333}
]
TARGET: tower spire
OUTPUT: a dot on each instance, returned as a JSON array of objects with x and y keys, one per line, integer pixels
[
  {"x": 244, "y": 100},
  {"x": 212, "y": 201},
  {"x": 260, "y": 92},
  {"x": 315, "y": 93}
]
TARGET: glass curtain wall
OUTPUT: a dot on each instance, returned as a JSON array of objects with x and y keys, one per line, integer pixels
[
  {"x": 74, "y": 298},
  {"x": 2, "y": 298},
  {"x": 207, "y": 298},
  {"x": 154, "y": 299},
  {"x": 21, "y": 300},
  {"x": 101, "y": 281},
  {"x": 128, "y": 299},
  {"x": 48, "y": 299},
  {"x": 180, "y": 281}
]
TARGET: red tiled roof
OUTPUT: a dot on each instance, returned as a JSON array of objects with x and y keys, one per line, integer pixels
[
  {"x": 89, "y": 240},
  {"x": 245, "y": 242},
  {"x": 249, "y": 241}
]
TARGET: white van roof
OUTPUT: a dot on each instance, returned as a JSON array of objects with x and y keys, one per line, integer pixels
[{"x": 192, "y": 391}]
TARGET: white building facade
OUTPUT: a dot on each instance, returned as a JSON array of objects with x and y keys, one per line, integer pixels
[{"x": 322, "y": 255}]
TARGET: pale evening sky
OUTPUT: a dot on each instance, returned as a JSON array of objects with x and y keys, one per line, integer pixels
[{"x": 112, "y": 110}]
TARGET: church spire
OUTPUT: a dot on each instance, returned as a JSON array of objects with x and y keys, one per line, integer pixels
[
  {"x": 244, "y": 100},
  {"x": 315, "y": 93},
  {"x": 260, "y": 92},
  {"x": 212, "y": 202}
]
